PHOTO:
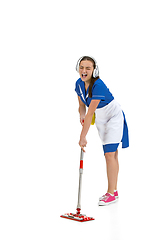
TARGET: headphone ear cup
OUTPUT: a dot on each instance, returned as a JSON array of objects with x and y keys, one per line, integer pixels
[
  {"x": 96, "y": 72},
  {"x": 77, "y": 66}
]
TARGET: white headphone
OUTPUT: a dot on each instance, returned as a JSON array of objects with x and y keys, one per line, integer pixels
[{"x": 96, "y": 70}]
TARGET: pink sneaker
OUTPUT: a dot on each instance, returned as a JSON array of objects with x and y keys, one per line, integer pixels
[
  {"x": 107, "y": 200},
  {"x": 101, "y": 198},
  {"x": 115, "y": 194}
]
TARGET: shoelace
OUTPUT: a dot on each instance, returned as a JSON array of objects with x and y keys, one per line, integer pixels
[
  {"x": 106, "y": 198},
  {"x": 104, "y": 195}
]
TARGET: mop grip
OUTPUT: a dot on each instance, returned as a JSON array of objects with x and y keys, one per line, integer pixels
[
  {"x": 81, "y": 164},
  {"x": 81, "y": 159}
]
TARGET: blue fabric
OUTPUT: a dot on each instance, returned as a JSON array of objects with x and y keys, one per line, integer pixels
[
  {"x": 99, "y": 92},
  {"x": 125, "y": 138},
  {"x": 110, "y": 147}
]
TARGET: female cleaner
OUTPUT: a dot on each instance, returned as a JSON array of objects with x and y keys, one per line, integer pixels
[{"x": 109, "y": 119}]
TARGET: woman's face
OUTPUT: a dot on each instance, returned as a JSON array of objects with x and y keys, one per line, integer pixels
[{"x": 86, "y": 70}]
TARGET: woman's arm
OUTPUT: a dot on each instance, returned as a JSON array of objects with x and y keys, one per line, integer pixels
[
  {"x": 82, "y": 110},
  {"x": 87, "y": 122}
]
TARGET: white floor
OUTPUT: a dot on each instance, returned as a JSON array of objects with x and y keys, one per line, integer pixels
[
  {"x": 40, "y": 44},
  {"x": 35, "y": 194},
  {"x": 133, "y": 216}
]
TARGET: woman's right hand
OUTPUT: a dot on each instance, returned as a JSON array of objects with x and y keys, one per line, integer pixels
[{"x": 82, "y": 120}]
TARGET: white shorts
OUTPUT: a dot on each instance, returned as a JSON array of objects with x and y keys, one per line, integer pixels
[{"x": 110, "y": 123}]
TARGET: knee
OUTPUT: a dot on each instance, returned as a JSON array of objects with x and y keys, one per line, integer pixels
[{"x": 109, "y": 156}]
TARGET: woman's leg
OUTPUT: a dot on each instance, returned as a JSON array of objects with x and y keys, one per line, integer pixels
[
  {"x": 112, "y": 170},
  {"x": 116, "y": 157}
]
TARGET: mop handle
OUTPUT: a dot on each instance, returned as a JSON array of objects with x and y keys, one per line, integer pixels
[{"x": 80, "y": 182}]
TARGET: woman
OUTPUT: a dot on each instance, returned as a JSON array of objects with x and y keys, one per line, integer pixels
[{"x": 109, "y": 119}]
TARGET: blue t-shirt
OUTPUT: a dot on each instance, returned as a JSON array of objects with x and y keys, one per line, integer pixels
[{"x": 99, "y": 92}]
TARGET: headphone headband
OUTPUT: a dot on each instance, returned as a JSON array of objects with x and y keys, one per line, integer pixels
[{"x": 96, "y": 70}]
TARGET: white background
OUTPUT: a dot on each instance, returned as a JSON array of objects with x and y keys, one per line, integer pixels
[{"x": 40, "y": 44}]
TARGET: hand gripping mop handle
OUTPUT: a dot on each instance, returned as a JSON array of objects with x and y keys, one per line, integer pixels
[{"x": 80, "y": 182}]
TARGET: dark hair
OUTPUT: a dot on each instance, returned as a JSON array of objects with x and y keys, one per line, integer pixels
[{"x": 92, "y": 79}]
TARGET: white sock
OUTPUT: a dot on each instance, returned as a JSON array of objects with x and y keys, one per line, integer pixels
[{"x": 111, "y": 194}]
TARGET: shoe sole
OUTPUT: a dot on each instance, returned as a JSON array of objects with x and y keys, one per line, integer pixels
[
  {"x": 101, "y": 203},
  {"x": 100, "y": 199}
]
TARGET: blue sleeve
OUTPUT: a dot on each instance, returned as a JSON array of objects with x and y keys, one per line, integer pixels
[
  {"x": 98, "y": 92},
  {"x": 77, "y": 88}
]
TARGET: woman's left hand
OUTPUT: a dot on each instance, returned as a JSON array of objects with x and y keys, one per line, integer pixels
[{"x": 82, "y": 143}]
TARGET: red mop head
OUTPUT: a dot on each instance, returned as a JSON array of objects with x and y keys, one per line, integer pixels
[{"x": 77, "y": 217}]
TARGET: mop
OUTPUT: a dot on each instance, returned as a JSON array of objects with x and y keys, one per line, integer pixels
[{"x": 78, "y": 216}]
